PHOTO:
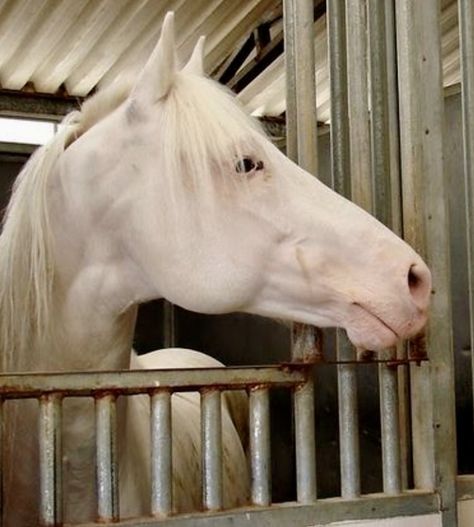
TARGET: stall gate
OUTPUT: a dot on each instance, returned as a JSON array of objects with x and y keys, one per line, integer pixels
[{"x": 387, "y": 155}]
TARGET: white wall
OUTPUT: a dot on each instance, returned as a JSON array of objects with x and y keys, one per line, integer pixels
[
  {"x": 465, "y": 519},
  {"x": 428, "y": 520},
  {"x": 466, "y": 513}
]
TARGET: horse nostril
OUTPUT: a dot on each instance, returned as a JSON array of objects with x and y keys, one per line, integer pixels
[{"x": 419, "y": 284}]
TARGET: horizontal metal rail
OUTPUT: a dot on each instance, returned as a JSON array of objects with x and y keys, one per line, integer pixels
[
  {"x": 324, "y": 511},
  {"x": 90, "y": 384}
]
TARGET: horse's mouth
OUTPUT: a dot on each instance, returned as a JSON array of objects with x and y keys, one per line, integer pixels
[{"x": 367, "y": 330}]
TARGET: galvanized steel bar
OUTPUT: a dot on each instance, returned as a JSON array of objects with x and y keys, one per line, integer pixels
[
  {"x": 303, "y": 400},
  {"x": 379, "y": 122},
  {"x": 382, "y": 196},
  {"x": 389, "y": 418},
  {"x": 260, "y": 462},
  {"x": 300, "y": 82},
  {"x": 289, "y": 31},
  {"x": 341, "y": 138},
  {"x": 169, "y": 325},
  {"x": 426, "y": 228},
  {"x": 161, "y": 454},
  {"x": 466, "y": 28},
  {"x": 50, "y": 457},
  {"x": 211, "y": 445},
  {"x": 106, "y": 459},
  {"x": 340, "y": 141},
  {"x": 142, "y": 381},
  {"x": 357, "y": 83},
  {"x": 348, "y": 420}
]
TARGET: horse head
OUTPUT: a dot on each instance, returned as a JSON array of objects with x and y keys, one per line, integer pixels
[{"x": 184, "y": 197}]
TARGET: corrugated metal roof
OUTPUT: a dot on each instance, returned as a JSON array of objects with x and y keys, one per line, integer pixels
[{"x": 79, "y": 45}]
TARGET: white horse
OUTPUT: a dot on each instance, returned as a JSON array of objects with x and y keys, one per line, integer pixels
[{"x": 172, "y": 191}]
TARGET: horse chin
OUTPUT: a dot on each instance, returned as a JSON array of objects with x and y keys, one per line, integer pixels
[{"x": 368, "y": 331}]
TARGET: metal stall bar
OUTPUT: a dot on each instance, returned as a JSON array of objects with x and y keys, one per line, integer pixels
[
  {"x": 301, "y": 117},
  {"x": 169, "y": 324},
  {"x": 22, "y": 386},
  {"x": 260, "y": 462},
  {"x": 302, "y": 147},
  {"x": 389, "y": 417},
  {"x": 161, "y": 454},
  {"x": 396, "y": 226},
  {"x": 466, "y": 28},
  {"x": 340, "y": 60},
  {"x": 426, "y": 228},
  {"x": 50, "y": 456},
  {"x": 382, "y": 206},
  {"x": 211, "y": 445},
  {"x": 106, "y": 462},
  {"x": 303, "y": 400}
]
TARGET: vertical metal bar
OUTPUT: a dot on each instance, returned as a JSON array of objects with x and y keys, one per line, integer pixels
[
  {"x": 301, "y": 83},
  {"x": 389, "y": 418},
  {"x": 289, "y": 29},
  {"x": 301, "y": 118},
  {"x": 466, "y": 28},
  {"x": 348, "y": 421},
  {"x": 169, "y": 325},
  {"x": 106, "y": 463},
  {"x": 379, "y": 112},
  {"x": 211, "y": 444},
  {"x": 426, "y": 228},
  {"x": 341, "y": 61},
  {"x": 359, "y": 129},
  {"x": 382, "y": 195},
  {"x": 340, "y": 142},
  {"x": 305, "y": 443},
  {"x": 161, "y": 454},
  {"x": 259, "y": 415},
  {"x": 50, "y": 456}
]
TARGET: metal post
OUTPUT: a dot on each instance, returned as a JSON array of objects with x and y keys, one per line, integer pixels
[
  {"x": 389, "y": 418},
  {"x": 305, "y": 443},
  {"x": 379, "y": 123},
  {"x": 161, "y": 454},
  {"x": 169, "y": 325},
  {"x": 211, "y": 444},
  {"x": 259, "y": 415},
  {"x": 301, "y": 118},
  {"x": 50, "y": 456},
  {"x": 106, "y": 463},
  {"x": 348, "y": 421},
  {"x": 359, "y": 129},
  {"x": 426, "y": 228},
  {"x": 382, "y": 196},
  {"x": 301, "y": 85},
  {"x": 340, "y": 142},
  {"x": 466, "y": 18},
  {"x": 341, "y": 63}
]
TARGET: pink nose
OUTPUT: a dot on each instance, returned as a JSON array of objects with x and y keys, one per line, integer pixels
[{"x": 419, "y": 284}]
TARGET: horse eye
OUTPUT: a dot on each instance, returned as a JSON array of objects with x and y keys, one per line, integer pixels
[{"x": 247, "y": 164}]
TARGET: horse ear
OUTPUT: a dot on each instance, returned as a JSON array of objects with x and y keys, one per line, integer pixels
[
  {"x": 196, "y": 62},
  {"x": 156, "y": 78}
]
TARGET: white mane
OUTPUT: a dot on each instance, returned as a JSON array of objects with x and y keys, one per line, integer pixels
[{"x": 204, "y": 127}]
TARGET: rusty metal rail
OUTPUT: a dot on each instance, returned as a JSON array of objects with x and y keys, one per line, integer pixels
[{"x": 51, "y": 388}]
